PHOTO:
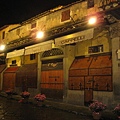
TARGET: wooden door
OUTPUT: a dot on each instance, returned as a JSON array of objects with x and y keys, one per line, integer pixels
[
  {"x": 52, "y": 83},
  {"x": 9, "y": 80},
  {"x": 88, "y": 96}
]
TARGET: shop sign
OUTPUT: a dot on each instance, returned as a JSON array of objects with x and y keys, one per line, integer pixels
[
  {"x": 38, "y": 47},
  {"x": 15, "y": 53},
  {"x": 74, "y": 38}
]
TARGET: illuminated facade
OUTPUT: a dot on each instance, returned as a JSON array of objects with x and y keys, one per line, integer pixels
[{"x": 74, "y": 62}]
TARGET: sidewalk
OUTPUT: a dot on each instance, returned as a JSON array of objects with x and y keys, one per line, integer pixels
[{"x": 82, "y": 110}]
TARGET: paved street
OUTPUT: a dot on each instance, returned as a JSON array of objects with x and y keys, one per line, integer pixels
[{"x": 13, "y": 110}]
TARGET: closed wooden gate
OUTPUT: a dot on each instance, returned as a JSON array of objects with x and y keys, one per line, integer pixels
[
  {"x": 90, "y": 74},
  {"x": 9, "y": 78},
  {"x": 52, "y": 78},
  {"x": 9, "y": 81},
  {"x": 27, "y": 76}
]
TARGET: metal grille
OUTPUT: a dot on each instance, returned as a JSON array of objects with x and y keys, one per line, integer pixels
[{"x": 52, "y": 52}]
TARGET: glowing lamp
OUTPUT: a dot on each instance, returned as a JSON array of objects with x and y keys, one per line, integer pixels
[
  {"x": 92, "y": 20},
  {"x": 2, "y": 47},
  {"x": 40, "y": 34}
]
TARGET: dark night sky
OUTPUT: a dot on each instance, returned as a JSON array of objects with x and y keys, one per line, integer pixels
[{"x": 17, "y": 11}]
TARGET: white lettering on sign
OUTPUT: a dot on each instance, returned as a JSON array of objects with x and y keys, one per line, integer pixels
[{"x": 73, "y": 38}]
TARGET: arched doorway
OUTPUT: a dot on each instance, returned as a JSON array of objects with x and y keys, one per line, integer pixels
[{"x": 52, "y": 74}]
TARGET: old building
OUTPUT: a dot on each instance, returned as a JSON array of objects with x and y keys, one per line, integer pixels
[{"x": 73, "y": 61}]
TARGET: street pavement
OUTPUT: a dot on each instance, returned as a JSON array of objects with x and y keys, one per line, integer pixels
[{"x": 13, "y": 110}]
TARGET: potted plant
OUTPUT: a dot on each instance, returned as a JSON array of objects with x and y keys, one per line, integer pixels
[
  {"x": 117, "y": 111},
  {"x": 9, "y": 92},
  {"x": 40, "y": 98},
  {"x": 97, "y": 107},
  {"x": 25, "y": 96}
]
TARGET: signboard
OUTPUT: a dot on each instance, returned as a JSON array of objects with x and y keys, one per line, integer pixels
[
  {"x": 74, "y": 38},
  {"x": 38, "y": 47},
  {"x": 15, "y": 53}
]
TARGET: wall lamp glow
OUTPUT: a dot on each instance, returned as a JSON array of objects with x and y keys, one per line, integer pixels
[
  {"x": 40, "y": 34},
  {"x": 2, "y": 47},
  {"x": 92, "y": 20}
]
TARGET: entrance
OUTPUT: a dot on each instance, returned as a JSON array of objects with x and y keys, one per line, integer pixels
[
  {"x": 9, "y": 78},
  {"x": 91, "y": 74},
  {"x": 52, "y": 74},
  {"x": 52, "y": 78},
  {"x": 26, "y": 76},
  {"x": 88, "y": 91}
]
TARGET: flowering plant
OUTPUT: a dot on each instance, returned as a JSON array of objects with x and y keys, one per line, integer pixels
[
  {"x": 25, "y": 94},
  {"x": 117, "y": 110},
  {"x": 9, "y": 91},
  {"x": 40, "y": 97},
  {"x": 97, "y": 106}
]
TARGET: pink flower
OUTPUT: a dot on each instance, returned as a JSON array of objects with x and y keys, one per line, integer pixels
[
  {"x": 117, "y": 109},
  {"x": 40, "y": 97},
  {"x": 9, "y": 91},
  {"x": 97, "y": 106},
  {"x": 25, "y": 94},
  {"x": 20, "y": 101}
]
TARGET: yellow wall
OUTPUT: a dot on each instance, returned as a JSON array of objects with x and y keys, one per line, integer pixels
[
  {"x": 100, "y": 39},
  {"x": 27, "y": 60},
  {"x": 18, "y": 33},
  {"x": 18, "y": 61},
  {"x": 21, "y": 60},
  {"x": 52, "y": 18},
  {"x": 6, "y": 29}
]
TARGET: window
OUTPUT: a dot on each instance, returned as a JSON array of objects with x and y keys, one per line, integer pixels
[
  {"x": 32, "y": 56},
  {"x": 90, "y": 3},
  {"x": 3, "y": 35},
  {"x": 65, "y": 15},
  {"x": 33, "y": 25},
  {"x": 95, "y": 49},
  {"x": 13, "y": 63}
]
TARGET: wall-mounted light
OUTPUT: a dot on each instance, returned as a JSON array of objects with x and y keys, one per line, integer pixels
[
  {"x": 40, "y": 34},
  {"x": 92, "y": 20},
  {"x": 2, "y": 47}
]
